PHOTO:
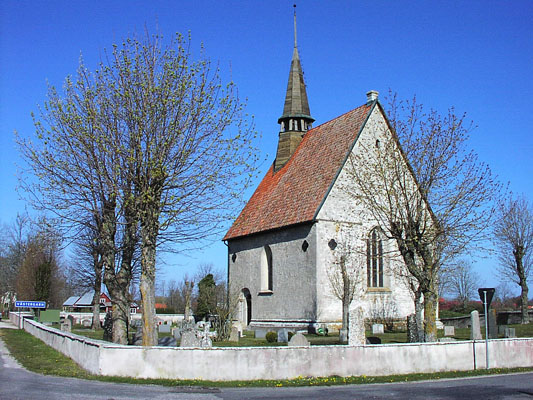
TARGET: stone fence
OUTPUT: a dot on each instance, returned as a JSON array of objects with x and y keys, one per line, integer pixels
[{"x": 251, "y": 363}]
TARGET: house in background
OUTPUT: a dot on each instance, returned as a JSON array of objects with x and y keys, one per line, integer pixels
[
  {"x": 84, "y": 303},
  {"x": 285, "y": 242}
]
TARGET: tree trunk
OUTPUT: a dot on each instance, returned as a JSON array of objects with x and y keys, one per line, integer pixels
[
  {"x": 430, "y": 316},
  {"x": 419, "y": 315},
  {"x": 95, "y": 325},
  {"x": 97, "y": 286},
  {"x": 147, "y": 282},
  {"x": 519, "y": 259},
  {"x": 524, "y": 300},
  {"x": 116, "y": 282},
  {"x": 343, "y": 334}
]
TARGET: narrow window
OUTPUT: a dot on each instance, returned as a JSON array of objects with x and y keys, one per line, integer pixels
[
  {"x": 266, "y": 269},
  {"x": 374, "y": 259}
]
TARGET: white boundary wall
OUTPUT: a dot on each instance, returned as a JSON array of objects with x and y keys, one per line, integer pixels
[{"x": 240, "y": 363}]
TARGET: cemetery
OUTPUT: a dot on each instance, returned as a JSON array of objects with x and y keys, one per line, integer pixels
[{"x": 285, "y": 358}]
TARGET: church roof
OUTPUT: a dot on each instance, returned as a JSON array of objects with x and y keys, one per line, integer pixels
[{"x": 295, "y": 193}]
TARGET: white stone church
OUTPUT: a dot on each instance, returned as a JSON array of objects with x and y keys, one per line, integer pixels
[{"x": 287, "y": 240}]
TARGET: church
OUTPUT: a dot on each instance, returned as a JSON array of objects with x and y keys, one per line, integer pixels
[{"x": 285, "y": 246}]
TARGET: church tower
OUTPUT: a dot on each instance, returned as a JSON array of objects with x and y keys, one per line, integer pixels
[{"x": 296, "y": 119}]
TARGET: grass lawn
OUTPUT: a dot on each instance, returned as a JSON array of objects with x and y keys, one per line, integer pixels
[{"x": 36, "y": 356}]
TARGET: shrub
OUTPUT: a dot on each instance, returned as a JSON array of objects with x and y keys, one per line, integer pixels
[
  {"x": 290, "y": 335},
  {"x": 271, "y": 337}
]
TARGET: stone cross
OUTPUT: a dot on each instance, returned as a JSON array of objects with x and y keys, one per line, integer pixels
[{"x": 475, "y": 330}]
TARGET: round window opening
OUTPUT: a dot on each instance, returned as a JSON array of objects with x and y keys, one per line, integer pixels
[
  {"x": 305, "y": 245},
  {"x": 332, "y": 244},
  {"x": 233, "y": 257}
]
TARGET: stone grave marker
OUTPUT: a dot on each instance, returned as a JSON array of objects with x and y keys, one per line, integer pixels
[
  {"x": 189, "y": 339},
  {"x": 493, "y": 328},
  {"x": 164, "y": 328},
  {"x": 377, "y": 329},
  {"x": 260, "y": 333},
  {"x": 66, "y": 326},
  {"x": 475, "y": 329},
  {"x": 298, "y": 340},
  {"x": 86, "y": 323},
  {"x": 283, "y": 336},
  {"x": 510, "y": 333},
  {"x": 168, "y": 341},
  {"x": 234, "y": 335},
  {"x": 449, "y": 330},
  {"x": 412, "y": 329},
  {"x": 356, "y": 332}
]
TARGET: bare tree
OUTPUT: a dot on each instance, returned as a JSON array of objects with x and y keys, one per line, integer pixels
[
  {"x": 426, "y": 190},
  {"x": 13, "y": 248},
  {"x": 345, "y": 273},
  {"x": 513, "y": 237},
  {"x": 463, "y": 282}
]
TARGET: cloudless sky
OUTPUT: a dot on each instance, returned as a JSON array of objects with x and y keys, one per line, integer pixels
[{"x": 474, "y": 55}]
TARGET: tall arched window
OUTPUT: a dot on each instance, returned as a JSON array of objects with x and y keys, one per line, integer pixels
[
  {"x": 374, "y": 259},
  {"x": 266, "y": 269}
]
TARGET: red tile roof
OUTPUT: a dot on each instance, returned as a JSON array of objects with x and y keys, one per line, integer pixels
[{"x": 295, "y": 193}]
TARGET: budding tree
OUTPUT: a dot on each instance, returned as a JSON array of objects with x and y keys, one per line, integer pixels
[
  {"x": 428, "y": 192},
  {"x": 513, "y": 236},
  {"x": 153, "y": 146},
  {"x": 345, "y": 274}
]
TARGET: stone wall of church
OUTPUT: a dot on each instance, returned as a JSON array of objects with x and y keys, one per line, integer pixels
[
  {"x": 343, "y": 228},
  {"x": 293, "y": 297}
]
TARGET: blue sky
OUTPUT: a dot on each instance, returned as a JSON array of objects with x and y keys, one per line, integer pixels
[{"x": 476, "y": 56}]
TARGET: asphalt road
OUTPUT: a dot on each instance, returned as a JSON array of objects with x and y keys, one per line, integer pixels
[{"x": 18, "y": 383}]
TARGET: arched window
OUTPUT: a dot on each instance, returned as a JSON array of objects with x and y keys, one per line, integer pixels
[
  {"x": 266, "y": 269},
  {"x": 374, "y": 259}
]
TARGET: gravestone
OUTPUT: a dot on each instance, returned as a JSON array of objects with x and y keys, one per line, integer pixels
[
  {"x": 260, "y": 333},
  {"x": 177, "y": 333},
  {"x": 510, "y": 333},
  {"x": 373, "y": 340},
  {"x": 71, "y": 319},
  {"x": 502, "y": 329},
  {"x": 356, "y": 332},
  {"x": 412, "y": 329},
  {"x": 86, "y": 323},
  {"x": 168, "y": 341},
  {"x": 449, "y": 330},
  {"x": 205, "y": 340},
  {"x": 283, "y": 336},
  {"x": 377, "y": 329},
  {"x": 493, "y": 328},
  {"x": 66, "y": 326},
  {"x": 164, "y": 328},
  {"x": 137, "y": 339},
  {"x": 189, "y": 339},
  {"x": 298, "y": 340},
  {"x": 475, "y": 330},
  {"x": 108, "y": 327},
  {"x": 234, "y": 335}
]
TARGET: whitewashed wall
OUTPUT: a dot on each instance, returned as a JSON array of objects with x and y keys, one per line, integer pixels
[
  {"x": 342, "y": 218},
  {"x": 240, "y": 363}
]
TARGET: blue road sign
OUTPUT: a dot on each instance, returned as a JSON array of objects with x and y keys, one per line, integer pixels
[{"x": 31, "y": 304}]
